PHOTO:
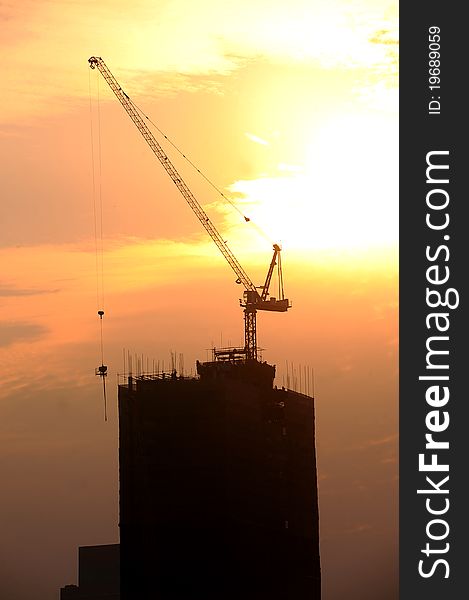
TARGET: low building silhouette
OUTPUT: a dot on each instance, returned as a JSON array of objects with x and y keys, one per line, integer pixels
[{"x": 98, "y": 574}]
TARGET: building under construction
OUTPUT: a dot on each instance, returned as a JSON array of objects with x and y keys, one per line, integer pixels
[{"x": 218, "y": 490}]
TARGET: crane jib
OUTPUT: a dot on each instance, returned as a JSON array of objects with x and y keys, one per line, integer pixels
[{"x": 173, "y": 173}]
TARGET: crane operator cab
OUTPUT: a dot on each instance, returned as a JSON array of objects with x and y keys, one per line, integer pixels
[{"x": 252, "y": 300}]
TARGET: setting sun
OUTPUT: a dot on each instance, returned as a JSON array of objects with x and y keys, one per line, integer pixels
[{"x": 341, "y": 195}]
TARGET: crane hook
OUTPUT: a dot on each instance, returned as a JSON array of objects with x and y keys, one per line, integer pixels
[{"x": 102, "y": 370}]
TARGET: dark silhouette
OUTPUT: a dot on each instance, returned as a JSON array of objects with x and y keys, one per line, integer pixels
[
  {"x": 98, "y": 574},
  {"x": 218, "y": 490}
]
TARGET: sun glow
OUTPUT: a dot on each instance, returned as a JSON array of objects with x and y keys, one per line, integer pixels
[{"x": 344, "y": 195}]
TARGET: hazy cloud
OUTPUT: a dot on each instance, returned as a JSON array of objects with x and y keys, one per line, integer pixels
[
  {"x": 389, "y": 439},
  {"x": 13, "y": 332},
  {"x": 384, "y": 36},
  {"x": 8, "y": 291}
]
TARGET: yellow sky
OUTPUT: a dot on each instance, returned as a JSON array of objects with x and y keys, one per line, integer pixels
[
  {"x": 291, "y": 109},
  {"x": 45, "y": 40}
]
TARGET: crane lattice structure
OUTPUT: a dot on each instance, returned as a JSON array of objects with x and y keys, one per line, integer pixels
[{"x": 252, "y": 299}]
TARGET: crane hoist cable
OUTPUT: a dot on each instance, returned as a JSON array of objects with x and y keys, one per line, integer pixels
[
  {"x": 102, "y": 369},
  {"x": 98, "y": 237},
  {"x": 201, "y": 173}
]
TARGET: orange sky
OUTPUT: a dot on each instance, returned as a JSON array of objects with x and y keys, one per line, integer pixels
[{"x": 292, "y": 112}]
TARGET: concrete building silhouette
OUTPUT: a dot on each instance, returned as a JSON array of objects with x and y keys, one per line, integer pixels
[
  {"x": 218, "y": 488},
  {"x": 98, "y": 574}
]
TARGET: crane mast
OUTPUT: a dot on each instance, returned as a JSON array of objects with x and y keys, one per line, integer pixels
[{"x": 252, "y": 300}]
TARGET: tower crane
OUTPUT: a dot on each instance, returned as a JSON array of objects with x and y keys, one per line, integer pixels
[{"x": 253, "y": 299}]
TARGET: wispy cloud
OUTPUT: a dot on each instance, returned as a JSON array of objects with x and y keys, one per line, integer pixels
[
  {"x": 384, "y": 36},
  {"x": 256, "y": 139},
  {"x": 384, "y": 441},
  {"x": 9, "y": 291},
  {"x": 358, "y": 528}
]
